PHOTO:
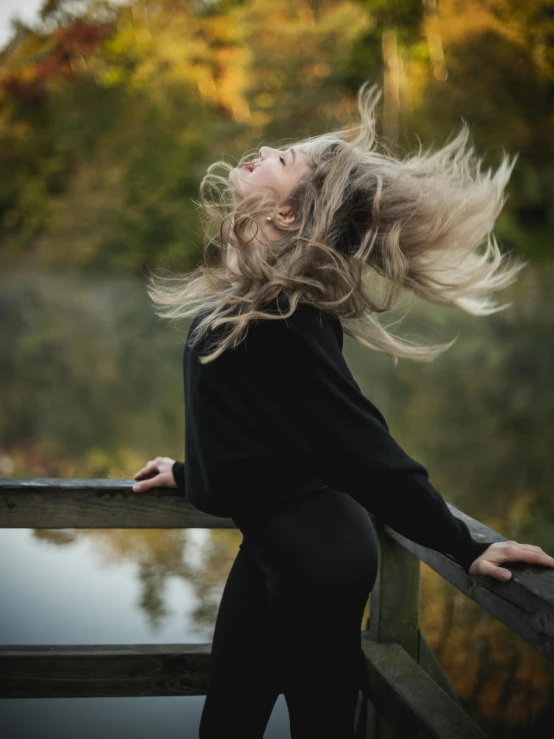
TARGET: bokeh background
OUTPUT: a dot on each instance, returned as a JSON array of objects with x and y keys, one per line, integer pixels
[{"x": 109, "y": 115}]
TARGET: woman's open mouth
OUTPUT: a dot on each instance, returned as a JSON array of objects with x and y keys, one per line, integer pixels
[{"x": 249, "y": 166}]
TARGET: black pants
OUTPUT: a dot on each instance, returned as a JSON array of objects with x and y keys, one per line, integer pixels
[{"x": 290, "y": 621}]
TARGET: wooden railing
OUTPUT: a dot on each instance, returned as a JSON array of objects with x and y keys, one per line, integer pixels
[{"x": 407, "y": 694}]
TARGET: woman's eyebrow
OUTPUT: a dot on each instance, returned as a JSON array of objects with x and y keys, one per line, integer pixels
[{"x": 293, "y": 155}]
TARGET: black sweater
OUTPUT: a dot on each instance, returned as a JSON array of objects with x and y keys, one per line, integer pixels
[{"x": 282, "y": 414}]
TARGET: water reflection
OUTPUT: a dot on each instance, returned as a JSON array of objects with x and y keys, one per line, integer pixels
[{"x": 91, "y": 387}]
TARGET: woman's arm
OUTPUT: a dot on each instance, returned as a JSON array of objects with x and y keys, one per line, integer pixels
[{"x": 322, "y": 414}]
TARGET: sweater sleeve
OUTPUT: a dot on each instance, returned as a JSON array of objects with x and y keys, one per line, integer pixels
[
  {"x": 178, "y": 470},
  {"x": 326, "y": 418}
]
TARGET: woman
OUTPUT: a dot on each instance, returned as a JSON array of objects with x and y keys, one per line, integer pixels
[{"x": 312, "y": 240}]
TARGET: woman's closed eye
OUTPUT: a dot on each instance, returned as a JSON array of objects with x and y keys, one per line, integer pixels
[{"x": 282, "y": 160}]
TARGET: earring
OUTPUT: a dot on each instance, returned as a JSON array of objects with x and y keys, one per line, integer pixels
[{"x": 269, "y": 218}]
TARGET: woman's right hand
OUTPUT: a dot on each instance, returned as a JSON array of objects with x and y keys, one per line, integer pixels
[
  {"x": 157, "y": 473},
  {"x": 488, "y": 563}
]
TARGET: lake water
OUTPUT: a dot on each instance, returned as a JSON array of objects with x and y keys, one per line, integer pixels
[{"x": 92, "y": 387}]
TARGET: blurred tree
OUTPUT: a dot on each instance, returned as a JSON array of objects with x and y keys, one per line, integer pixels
[
  {"x": 110, "y": 113},
  {"x": 296, "y": 50}
]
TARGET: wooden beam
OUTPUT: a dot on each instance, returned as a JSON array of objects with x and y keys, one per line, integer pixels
[
  {"x": 51, "y": 503},
  {"x": 60, "y": 671},
  {"x": 525, "y": 604},
  {"x": 412, "y": 703}
]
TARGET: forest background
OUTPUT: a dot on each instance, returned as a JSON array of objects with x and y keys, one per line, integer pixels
[{"x": 111, "y": 112}]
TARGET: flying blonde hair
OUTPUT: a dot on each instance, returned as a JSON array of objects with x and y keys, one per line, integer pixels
[{"x": 367, "y": 226}]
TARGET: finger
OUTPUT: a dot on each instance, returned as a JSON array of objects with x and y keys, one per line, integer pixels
[
  {"x": 153, "y": 482},
  {"x": 541, "y": 553},
  {"x": 491, "y": 570},
  {"x": 545, "y": 559},
  {"x": 529, "y": 554},
  {"x": 149, "y": 468}
]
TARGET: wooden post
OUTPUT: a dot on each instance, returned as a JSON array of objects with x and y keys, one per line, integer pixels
[
  {"x": 395, "y": 599},
  {"x": 394, "y": 612}
]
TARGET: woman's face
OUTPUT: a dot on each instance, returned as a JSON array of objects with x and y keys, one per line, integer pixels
[{"x": 278, "y": 169}]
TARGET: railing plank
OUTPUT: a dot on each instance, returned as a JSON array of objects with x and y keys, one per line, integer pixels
[
  {"x": 83, "y": 671},
  {"x": 412, "y": 703},
  {"x": 410, "y": 700},
  {"x": 525, "y": 604},
  {"x": 54, "y": 503}
]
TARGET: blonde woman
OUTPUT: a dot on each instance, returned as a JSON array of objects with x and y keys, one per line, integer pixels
[{"x": 313, "y": 240}]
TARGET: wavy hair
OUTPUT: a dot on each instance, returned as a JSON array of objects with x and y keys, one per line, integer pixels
[{"x": 368, "y": 225}]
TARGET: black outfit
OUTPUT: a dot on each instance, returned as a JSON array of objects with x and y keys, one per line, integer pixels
[{"x": 279, "y": 436}]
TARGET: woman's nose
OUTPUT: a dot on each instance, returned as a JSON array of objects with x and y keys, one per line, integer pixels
[{"x": 265, "y": 151}]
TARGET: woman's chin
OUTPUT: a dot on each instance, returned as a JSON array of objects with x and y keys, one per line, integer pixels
[{"x": 234, "y": 180}]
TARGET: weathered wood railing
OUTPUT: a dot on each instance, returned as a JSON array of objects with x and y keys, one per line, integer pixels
[{"x": 407, "y": 694}]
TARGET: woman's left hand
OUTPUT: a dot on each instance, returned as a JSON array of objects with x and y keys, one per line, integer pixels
[
  {"x": 157, "y": 473},
  {"x": 508, "y": 551}
]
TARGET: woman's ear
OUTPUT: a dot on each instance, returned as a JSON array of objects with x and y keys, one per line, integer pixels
[{"x": 286, "y": 215}]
